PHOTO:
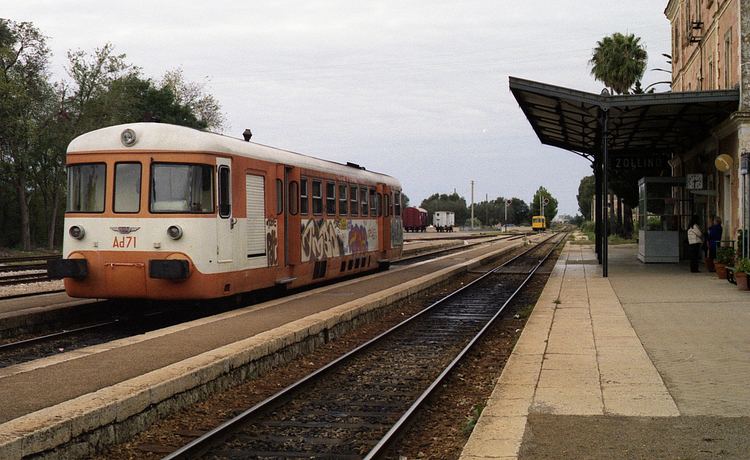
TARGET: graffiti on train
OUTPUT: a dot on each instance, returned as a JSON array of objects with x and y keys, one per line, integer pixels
[
  {"x": 272, "y": 242},
  {"x": 397, "y": 233},
  {"x": 323, "y": 239}
]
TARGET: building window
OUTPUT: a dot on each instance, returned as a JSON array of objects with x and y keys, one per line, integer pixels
[{"x": 728, "y": 59}]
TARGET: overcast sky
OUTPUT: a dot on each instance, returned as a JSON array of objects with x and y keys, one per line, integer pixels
[{"x": 415, "y": 89}]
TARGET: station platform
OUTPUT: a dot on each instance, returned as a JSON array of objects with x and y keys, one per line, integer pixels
[{"x": 651, "y": 362}]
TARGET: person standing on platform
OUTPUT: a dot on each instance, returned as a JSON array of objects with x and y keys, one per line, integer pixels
[
  {"x": 695, "y": 240},
  {"x": 713, "y": 239}
]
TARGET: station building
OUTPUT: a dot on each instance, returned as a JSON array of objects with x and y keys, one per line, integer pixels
[
  {"x": 710, "y": 51},
  {"x": 692, "y": 144}
]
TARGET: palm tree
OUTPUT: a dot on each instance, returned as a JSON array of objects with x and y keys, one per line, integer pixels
[{"x": 619, "y": 61}]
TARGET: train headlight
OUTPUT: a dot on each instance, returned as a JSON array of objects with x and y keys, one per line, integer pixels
[
  {"x": 174, "y": 232},
  {"x": 77, "y": 232},
  {"x": 128, "y": 138}
]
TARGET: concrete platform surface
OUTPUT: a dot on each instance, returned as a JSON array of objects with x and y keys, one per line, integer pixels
[{"x": 652, "y": 362}]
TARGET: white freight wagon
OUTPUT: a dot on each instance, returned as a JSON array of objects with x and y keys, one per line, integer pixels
[{"x": 444, "y": 221}]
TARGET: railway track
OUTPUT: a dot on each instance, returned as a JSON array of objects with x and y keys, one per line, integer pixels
[
  {"x": 15, "y": 269},
  {"x": 425, "y": 255},
  {"x": 355, "y": 406},
  {"x": 77, "y": 335},
  {"x": 23, "y": 278}
]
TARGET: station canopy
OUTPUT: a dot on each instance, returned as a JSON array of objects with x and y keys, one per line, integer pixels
[{"x": 637, "y": 125}]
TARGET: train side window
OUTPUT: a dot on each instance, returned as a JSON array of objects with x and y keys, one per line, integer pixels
[
  {"x": 127, "y": 187},
  {"x": 279, "y": 196},
  {"x": 379, "y": 203},
  {"x": 363, "y": 199},
  {"x": 303, "y": 198},
  {"x": 354, "y": 208},
  {"x": 225, "y": 203},
  {"x": 317, "y": 197},
  {"x": 397, "y": 204},
  {"x": 331, "y": 198},
  {"x": 373, "y": 203},
  {"x": 293, "y": 197},
  {"x": 387, "y": 204},
  {"x": 343, "y": 197}
]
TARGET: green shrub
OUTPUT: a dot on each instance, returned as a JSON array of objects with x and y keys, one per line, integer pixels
[
  {"x": 725, "y": 255},
  {"x": 743, "y": 265}
]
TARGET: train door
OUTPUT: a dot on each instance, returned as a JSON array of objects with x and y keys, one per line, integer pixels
[
  {"x": 225, "y": 222},
  {"x": 255, "y": 189},
  {"x": 383, "y": 221}
]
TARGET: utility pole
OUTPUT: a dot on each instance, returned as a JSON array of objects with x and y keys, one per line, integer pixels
[
  {"x": 505, "y": 222},
  {"x": 472, "y": 205}
]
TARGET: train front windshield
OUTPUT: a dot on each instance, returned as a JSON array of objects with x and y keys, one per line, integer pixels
[
  {"x": 181, "y": 188},
  {"x": 86, "y": 184}
]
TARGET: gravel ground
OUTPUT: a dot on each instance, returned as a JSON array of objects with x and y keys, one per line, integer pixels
[
  {"x": 439, "y": 431},
  {"x": 28, "y": 288}
]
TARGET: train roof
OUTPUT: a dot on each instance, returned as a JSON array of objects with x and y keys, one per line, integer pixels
[{"x": 153, "y": 137}]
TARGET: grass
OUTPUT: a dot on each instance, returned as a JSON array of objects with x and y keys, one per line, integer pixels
[
  {"x": 525, "y": 312},
  {"x": 472, "y": 418}
]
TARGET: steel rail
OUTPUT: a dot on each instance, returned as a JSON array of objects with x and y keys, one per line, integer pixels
[
  {"x": 437, "y": 252},
  {"x": 386, "y": 440},
  {"x": 55, "y": 335},
  {"x": 7, "y": 260},
  {"x": 200, "y": 444}
]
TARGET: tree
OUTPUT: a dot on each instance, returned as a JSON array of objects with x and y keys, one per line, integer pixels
[
  {"x": 452, "y": 202},
  {"x": 585, "y": 196},
  {"x": 192, "y": 96},
  {"x": 550, "y": 208},
  {"x": 619, "y": 61},
  {"x": 518, "y": 212},
  {"x": 25, "y": 96}
]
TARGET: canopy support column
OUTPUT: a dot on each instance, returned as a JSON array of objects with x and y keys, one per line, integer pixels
[{"x": 605, "y": 190}]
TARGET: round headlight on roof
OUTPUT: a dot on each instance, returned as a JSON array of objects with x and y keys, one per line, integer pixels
[{"x": 128, "y": 138}]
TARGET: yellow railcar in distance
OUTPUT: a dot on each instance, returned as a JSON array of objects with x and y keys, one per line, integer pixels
[{"x": 538, "y": 223}]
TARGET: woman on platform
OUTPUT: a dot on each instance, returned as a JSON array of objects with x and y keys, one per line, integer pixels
[{"x": 695, "y": 240}]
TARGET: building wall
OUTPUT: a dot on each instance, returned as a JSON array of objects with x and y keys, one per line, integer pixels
[
  {"x": 705, "y": 44},
  {"x": 711, "y": 51}
]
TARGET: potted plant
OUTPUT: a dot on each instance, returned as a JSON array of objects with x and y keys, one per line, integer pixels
[
  {"x": 724, "y": 257},
  {"x": 740, "y": 273}
]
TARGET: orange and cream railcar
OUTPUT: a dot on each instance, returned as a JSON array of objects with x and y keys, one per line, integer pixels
[{"x": 165, "y": 212}]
